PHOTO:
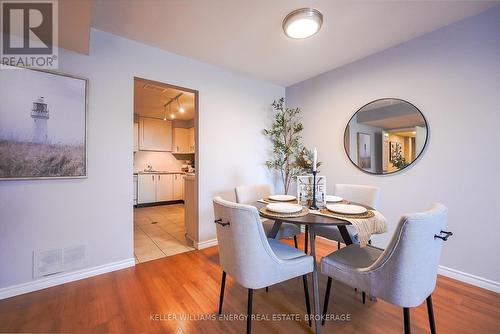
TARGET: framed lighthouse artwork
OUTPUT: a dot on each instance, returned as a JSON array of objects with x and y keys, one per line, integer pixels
[{"x": 43, "y": 124}]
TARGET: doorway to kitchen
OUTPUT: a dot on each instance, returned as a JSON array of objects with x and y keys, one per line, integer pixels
[{"x": 165, "y": 182}]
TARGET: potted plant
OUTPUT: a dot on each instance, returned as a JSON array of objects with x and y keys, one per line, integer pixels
[{"x": 285, "y": 135}]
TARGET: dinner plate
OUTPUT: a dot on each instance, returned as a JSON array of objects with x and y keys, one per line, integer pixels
[
  {"x": 282, "y": 198},
  {"x": 284, "y": 207},
  {"x": 346, "y": 209},
  {"x": 333, "y": 199}
]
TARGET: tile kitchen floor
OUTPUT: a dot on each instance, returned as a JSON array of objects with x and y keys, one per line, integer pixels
[{"x": 159, "y": 231}]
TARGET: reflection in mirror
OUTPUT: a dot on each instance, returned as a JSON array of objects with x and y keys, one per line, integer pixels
[{"x": 385, "y": 136}]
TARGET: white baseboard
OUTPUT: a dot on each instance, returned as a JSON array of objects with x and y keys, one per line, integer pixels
[
  {"x": 470, "y": 279},
  {"x": 47, "y": 282},
  {"x": 206, "y": 244}
]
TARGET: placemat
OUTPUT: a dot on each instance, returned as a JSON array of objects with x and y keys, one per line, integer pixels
[
  {"x": 273, "y": 214},
  {"x": 366, "y": 215}
]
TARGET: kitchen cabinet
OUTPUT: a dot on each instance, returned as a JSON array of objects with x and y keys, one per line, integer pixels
[
  {"x": 155, "y": 134},
  {"x": 159, "y": 187},
  {"x": 178, "y": 188},
  {"x": 136, "y": 137},
  {"x": 181, "y": 140},
  {"x": 164, "y": 187},
  {"x": 191, "y": 137},
  {"x": 146, "y": 188}
]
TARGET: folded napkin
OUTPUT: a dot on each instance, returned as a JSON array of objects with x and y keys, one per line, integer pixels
[{"x": 364, "y": 226}]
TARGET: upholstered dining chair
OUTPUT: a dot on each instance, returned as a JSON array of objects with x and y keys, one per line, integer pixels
[
  {"x": 252, "y": 259},
  {"x": 364, "y": 195},
  {"x": 251, "y": 194},
  {"x": 404, "y": 273}
]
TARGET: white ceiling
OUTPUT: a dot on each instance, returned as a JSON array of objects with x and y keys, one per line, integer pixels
[{"x": 246, "y": 36}]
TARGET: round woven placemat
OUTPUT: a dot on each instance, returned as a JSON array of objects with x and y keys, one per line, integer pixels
[
  {"x": 366, "y": 215},
  {"x": 301, "y": 213}
]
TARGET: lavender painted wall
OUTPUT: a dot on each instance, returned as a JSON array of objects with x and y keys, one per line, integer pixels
[{"x": 453, "y": 76}]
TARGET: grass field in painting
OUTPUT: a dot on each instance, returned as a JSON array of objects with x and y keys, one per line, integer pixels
[{"x": 26, "y": 159}]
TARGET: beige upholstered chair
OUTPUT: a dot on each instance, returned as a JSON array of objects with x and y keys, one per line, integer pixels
[
  {"x": 250, "y": 195},
  {"x": 248, "y": 256},
  {"x": 405, "y": 273}
]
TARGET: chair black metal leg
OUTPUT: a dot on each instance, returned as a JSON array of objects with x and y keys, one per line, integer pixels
[
  {"x": 249, "y": 311},
  {"x": 327, "y": 299},
  {"x": 338, "y": 245},
  {"x": 306, "y": 242},
  {"x": 308, "y": 301},
  {"x": 222, "y": 287},
  {"x": 295, "y": 241},
  {"x": 430, "y": 311},
  {"x": 363, "y": 296},
  {"x": 406, "y": 316}
]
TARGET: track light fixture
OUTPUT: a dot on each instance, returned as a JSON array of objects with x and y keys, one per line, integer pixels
[{"x": 180, "y": 108}]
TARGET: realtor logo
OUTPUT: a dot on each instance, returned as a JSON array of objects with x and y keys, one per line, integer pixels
[{"x": 29, "y": 33}]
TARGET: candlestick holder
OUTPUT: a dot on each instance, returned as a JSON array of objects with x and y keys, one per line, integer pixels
[{"x": 313, "y": 203}]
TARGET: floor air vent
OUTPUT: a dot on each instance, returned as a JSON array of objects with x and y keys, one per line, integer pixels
[{"x": 53, "y": 261}]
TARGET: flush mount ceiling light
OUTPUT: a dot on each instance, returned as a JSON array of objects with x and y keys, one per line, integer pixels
[{"x": 302, "y": 23}]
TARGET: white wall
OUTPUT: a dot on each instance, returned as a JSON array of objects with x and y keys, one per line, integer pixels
[
  {"x": 453, "y": 76},
  {"x": 97, "y": 211}
]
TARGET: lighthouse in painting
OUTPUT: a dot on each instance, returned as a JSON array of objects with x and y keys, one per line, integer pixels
[{"x": 40, "y": 115}]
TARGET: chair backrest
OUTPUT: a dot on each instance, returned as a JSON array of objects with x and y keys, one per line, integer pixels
[
  {"x": 365, "y": 195},
  {"x": 405, "y": 274},
  {"x": 252, "y": 193},
  {"x": 244, "y": 251}
]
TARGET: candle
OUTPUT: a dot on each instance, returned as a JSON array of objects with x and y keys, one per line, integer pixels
[{"x": 315, "y": 159}]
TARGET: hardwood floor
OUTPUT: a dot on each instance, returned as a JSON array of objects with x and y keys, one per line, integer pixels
[{"x": 154, "y": 296}]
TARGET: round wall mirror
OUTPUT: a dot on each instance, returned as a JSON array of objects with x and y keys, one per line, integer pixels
[{"x": 385, "y": 136}]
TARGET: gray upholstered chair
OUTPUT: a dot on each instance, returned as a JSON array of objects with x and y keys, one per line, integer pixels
[
  {"x": 251, "y": 194},
  {"x": 365, "y": 195},
  {"x": 405, "y": 273},
  {"x": 253, "y": 260}
]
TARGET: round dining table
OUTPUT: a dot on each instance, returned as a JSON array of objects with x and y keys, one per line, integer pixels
[{"x": 310, "y": 221}]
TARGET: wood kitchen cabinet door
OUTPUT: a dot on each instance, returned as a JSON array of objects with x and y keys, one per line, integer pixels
[
  {"x": 155, "y": 134},
  {"x": 181, "y": 140},
  {"x": 146, "y": 188},
  {"x": 136, "y": 137},
  {"x": 192, "y": 144},
  {"x": 165, "y": 187},
  {"x": 178, "y": 187}
]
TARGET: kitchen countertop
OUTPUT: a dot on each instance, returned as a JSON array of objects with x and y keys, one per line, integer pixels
[{"x": 190, "y": 176}]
